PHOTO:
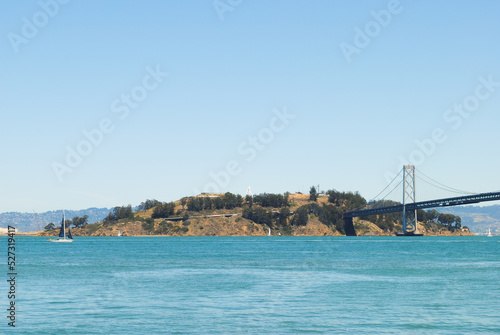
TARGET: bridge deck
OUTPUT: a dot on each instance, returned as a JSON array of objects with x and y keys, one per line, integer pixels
[{"x": 469, "y": 199}]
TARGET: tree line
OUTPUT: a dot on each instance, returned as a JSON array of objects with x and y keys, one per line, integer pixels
[
  {"x": 226, "y": 201},
  {"x": 118, "y": 213},
  {"x": 274, "y": 211},
  {"x": 76, "y": 222}
]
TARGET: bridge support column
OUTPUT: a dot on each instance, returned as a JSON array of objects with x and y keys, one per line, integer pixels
[
  {"x": 409, "y": 221},
  {"x": 349, "y": 227}
]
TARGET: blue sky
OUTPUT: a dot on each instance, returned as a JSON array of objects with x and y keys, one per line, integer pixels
[{"x": 204, "y": 78}]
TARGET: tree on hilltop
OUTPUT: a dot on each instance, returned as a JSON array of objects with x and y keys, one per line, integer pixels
[
  {"x": 80, "y": 221},
  {"x": 249, "y": 200},
  {"x": 164, "y": 210},
  {"x": 50, "y": 226},
  {"x": 313, "y": 194},
  {"x": 118, "y": 213},
  {"x": 148, "y": 204},
  {"x": 183, "y": 202}
]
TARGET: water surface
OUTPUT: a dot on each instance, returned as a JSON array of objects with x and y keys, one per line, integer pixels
[{"x": 256, "y": 285}]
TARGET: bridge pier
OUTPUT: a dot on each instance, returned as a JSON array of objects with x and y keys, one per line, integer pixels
[
  {"x": 409, "y": 222},
  {"x": 409, "y": 234},
  {"x": 349, "y": 227}
]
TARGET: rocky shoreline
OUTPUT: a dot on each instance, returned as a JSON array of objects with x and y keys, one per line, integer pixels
[{"x": 233, "y": 226}]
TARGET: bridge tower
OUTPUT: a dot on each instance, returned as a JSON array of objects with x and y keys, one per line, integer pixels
[{"x": 409, "y": 216}]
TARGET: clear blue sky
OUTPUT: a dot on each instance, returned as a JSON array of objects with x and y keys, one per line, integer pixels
[{"x": 363, "y": 80}]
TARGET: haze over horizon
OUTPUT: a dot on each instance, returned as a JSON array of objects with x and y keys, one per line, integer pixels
[{"x": 109, "y": 104}]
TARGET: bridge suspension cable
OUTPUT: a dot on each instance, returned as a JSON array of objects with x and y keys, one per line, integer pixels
[
  {"x": 439, "y": 185},
  {"x": 393, "y": 189},
  {"x": 421, "y": 177},
  {"x": 381, "y": 192},
  {"x": 375, "y": 197}
]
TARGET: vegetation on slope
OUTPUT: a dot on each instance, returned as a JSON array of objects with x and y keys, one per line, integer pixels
[{"x": 230, "y": 214}]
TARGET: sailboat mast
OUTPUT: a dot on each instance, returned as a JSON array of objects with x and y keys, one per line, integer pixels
[{"x": 64, "y": 225}]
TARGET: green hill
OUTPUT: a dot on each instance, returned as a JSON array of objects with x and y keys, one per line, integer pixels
[{"x": 232, "y": 215}]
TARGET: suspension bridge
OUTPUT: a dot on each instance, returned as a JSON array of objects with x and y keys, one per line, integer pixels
[{"x": 410, "y": 206}]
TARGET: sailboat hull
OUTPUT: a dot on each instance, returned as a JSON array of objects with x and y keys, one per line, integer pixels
[{"x": 62, "y": 240}]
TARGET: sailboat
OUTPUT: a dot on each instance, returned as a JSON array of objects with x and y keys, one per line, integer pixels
[
  {"x": 120, "y": 233},
  {"x": 269, "y": 233},
  {"x": 489, "y": 232},
  {"x": 62, "y": 233}
]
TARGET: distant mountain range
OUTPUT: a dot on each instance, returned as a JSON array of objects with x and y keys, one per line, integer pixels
[
  {"x": 477, "y": 218},
  {"x": 28, "y": 221}
]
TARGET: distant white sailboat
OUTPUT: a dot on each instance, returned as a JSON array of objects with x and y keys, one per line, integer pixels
[
  {"x": 269, "y": 233},
  {"x": 62, "y": 233},
  {"x": 120, "y": 233},
  {"x": 489, "y": 232}
]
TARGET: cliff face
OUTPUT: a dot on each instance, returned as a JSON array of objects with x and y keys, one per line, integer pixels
[
  {"x": 367, "y": 228},
  {"x": 218, "y": 226}
]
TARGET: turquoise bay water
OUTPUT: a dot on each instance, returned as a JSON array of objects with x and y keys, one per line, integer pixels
[{"x": 256, "y": 285}]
